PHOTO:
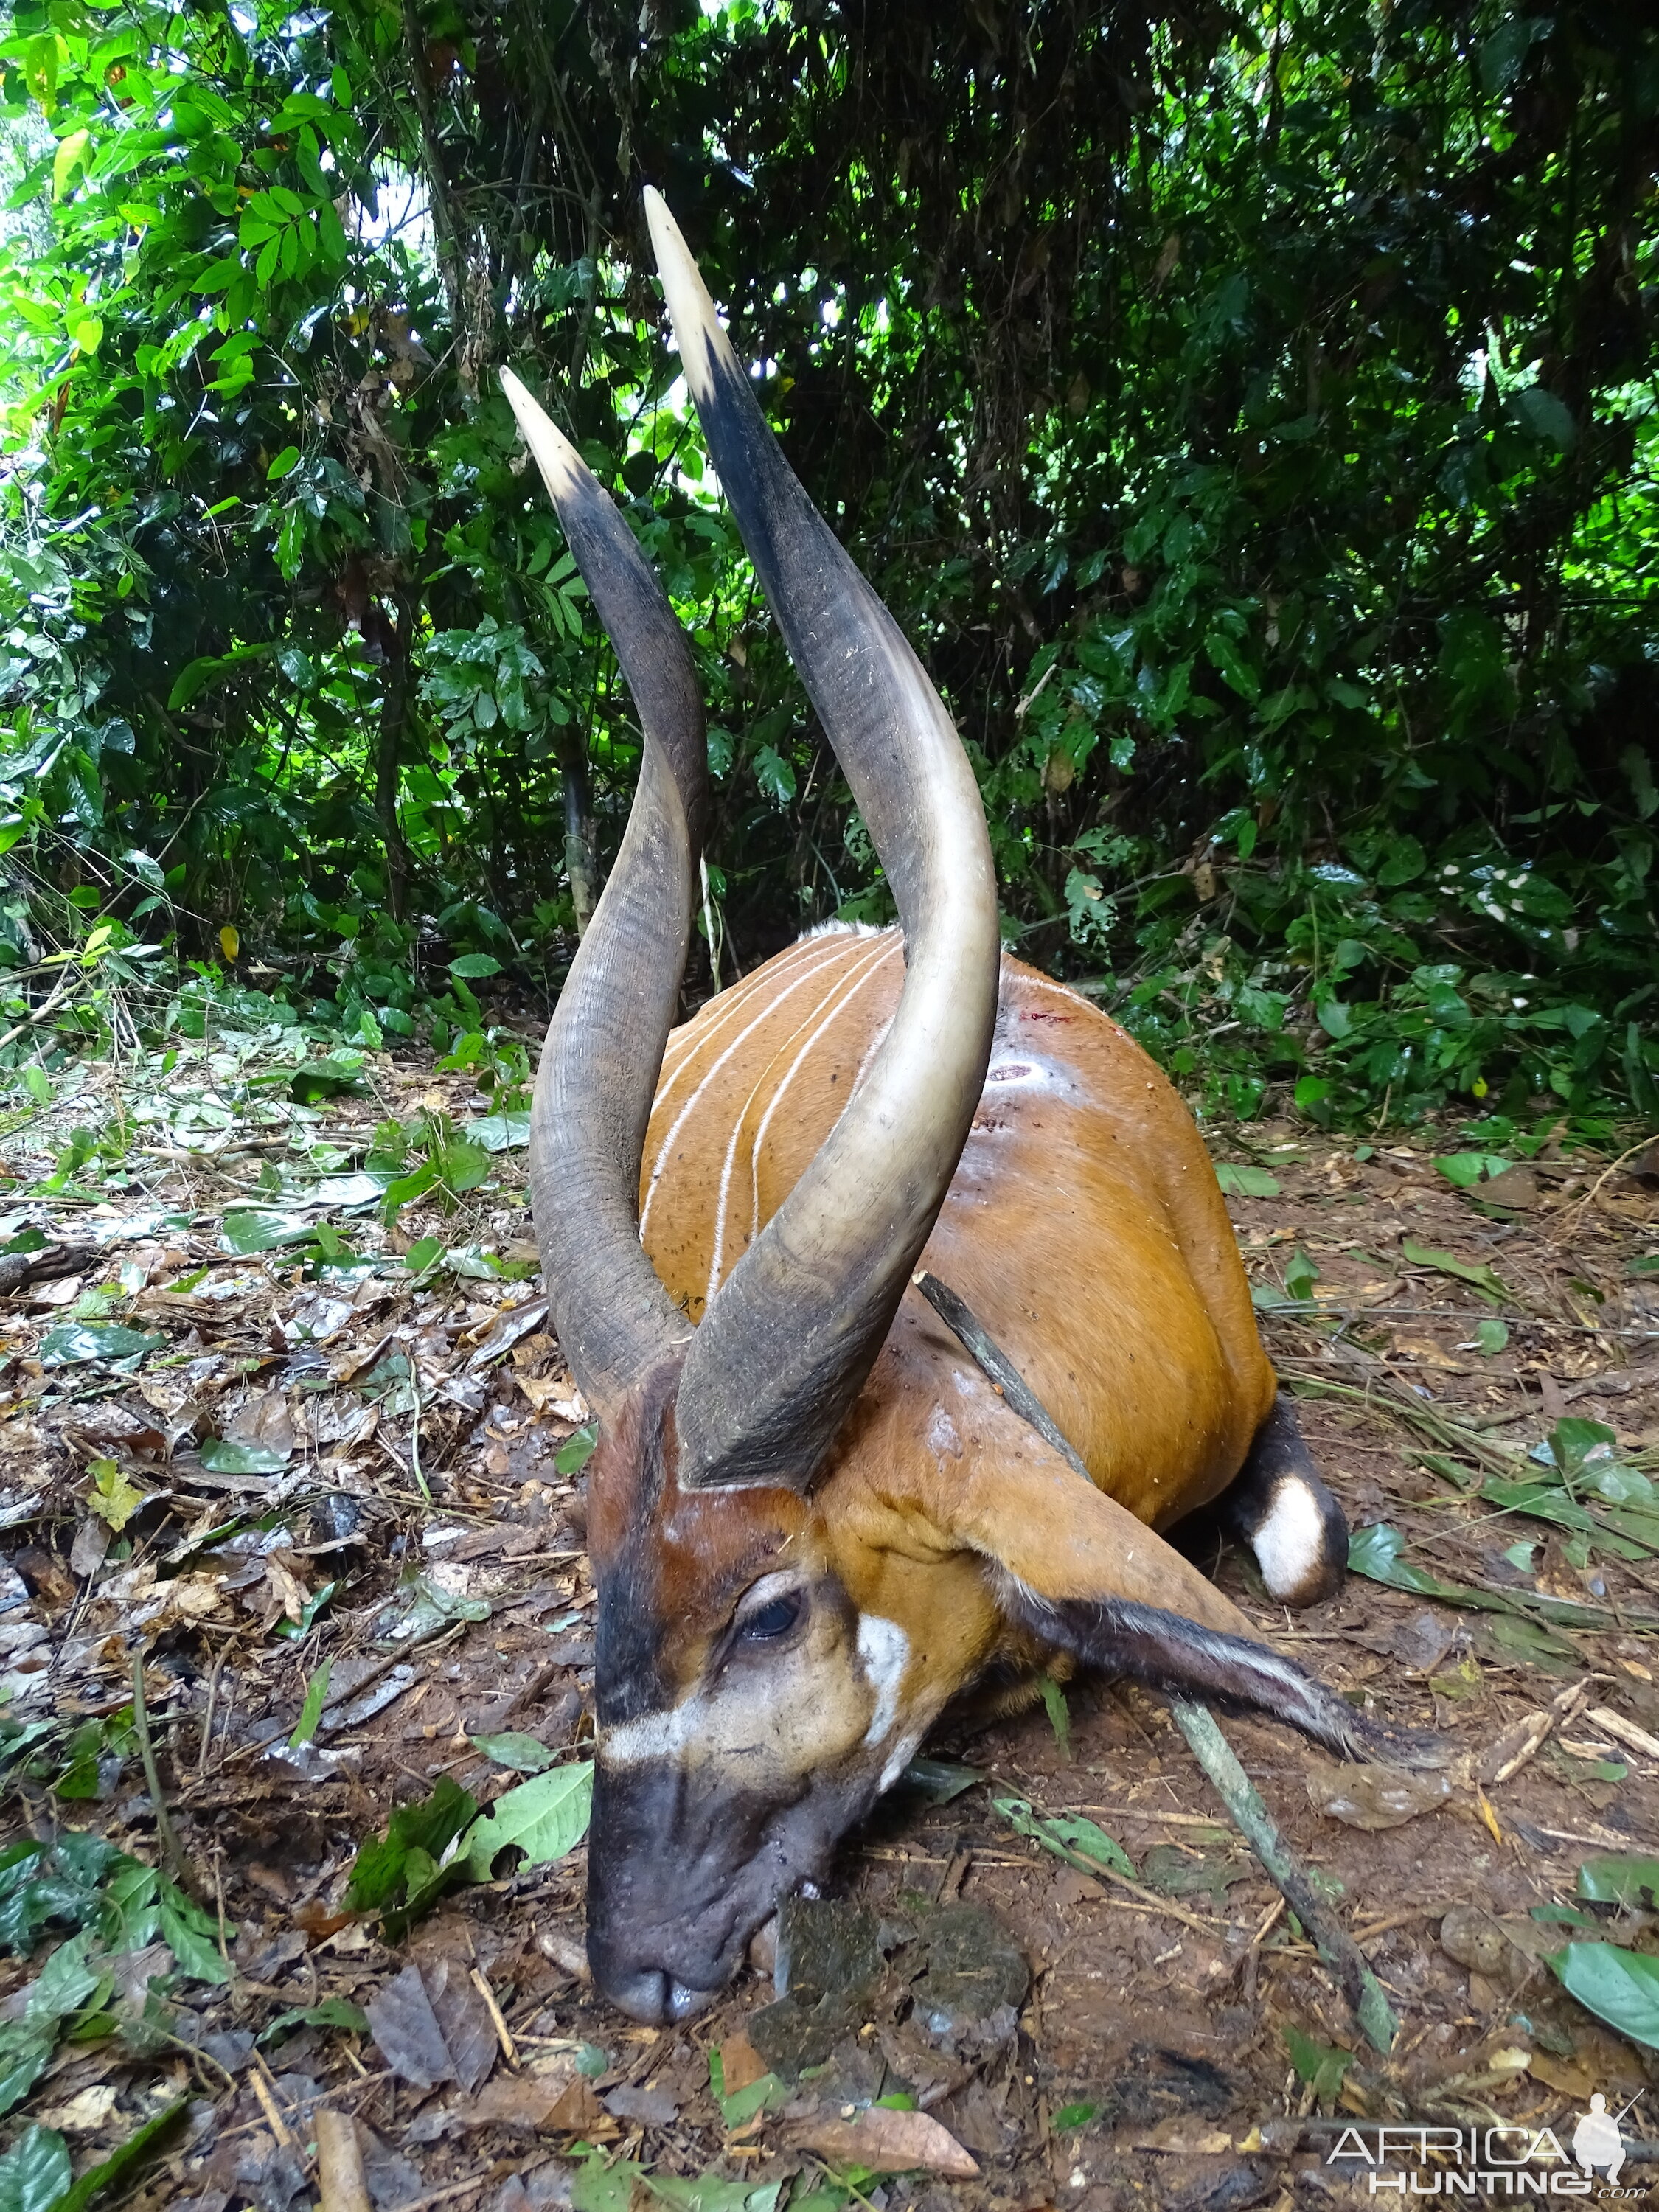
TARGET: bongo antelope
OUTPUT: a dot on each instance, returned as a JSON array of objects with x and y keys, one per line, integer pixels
[{"x": 814, "y": 1523}]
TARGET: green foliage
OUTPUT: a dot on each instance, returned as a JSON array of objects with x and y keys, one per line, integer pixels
[
  {"x": 1621, "y": 1987},
  {"x": 544, "y": 1817},
  {"x": 1262, "y": 454},
  {"x": 114, "y": 1905},
  {"x": 1321, "y": 2066},
  {"x": 402, "y": 1873}
]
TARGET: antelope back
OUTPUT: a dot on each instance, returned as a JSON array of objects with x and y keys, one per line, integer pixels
[{"x": 1083, "y": 1225}]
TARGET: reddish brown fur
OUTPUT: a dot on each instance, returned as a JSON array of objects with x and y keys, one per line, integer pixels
[{"x": 1085, "y": 1229}]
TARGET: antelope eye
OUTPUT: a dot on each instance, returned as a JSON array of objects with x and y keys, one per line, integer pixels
[{"x": 772, "y": 1621}]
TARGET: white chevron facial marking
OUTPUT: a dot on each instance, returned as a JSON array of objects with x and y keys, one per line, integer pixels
[{"x": 885, "y": 1648}]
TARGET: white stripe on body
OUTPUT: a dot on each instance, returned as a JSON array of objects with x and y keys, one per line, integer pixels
[
  {"x": 849, "y": 984},
  {"x": 684, "y": 1042},
  {"x": 668, "y": 1143}
]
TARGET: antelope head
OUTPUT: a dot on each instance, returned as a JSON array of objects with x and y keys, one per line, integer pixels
[
  {"x": 777, "y": 1623},
  {"x": 744, "y": 1706}
]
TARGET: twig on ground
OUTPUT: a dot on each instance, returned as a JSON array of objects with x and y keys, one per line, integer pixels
[
  {"x": 36, "y": 1014},
  {"x": 1334, "y": 1944},
  {"x": 503, "y": 2033},
  {"x": 166, "y": 1835},
  {"x": 258, "y": 2075},
  {"x": 342, "y": 2183}
]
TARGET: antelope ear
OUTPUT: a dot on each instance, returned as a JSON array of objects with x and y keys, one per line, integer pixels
[{"x": 1077, "y": 1571}]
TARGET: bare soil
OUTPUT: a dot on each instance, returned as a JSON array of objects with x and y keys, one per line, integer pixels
[{"x": 1164, "y": 2011}]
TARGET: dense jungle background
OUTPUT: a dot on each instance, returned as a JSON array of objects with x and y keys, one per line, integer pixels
[{"x": 1248, "y": 411}]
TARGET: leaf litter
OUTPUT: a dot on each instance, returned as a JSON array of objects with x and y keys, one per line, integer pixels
[{"x": 317, "y": 1458}]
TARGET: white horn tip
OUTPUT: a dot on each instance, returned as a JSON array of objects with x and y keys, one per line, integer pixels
[
  {"x": 562, "y": 466},
  {"x": 690, "y": 308}
]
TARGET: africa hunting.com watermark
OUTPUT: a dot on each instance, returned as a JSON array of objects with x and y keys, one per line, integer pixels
[{"x": 1513, "y": 2161}]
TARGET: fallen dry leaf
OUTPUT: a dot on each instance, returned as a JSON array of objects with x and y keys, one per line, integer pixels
[
  {"x": 741, "y": 2064},
  {"x": 406, "y": 2028},
  {"x": 83, "y": 2114},
  {"x": 1373, "y": 1797},
  {"x": 562, "y": 2100},
  {"x": 888, "y": 2142},
  {"x": 1184, "y": 2134},
  {"x": 1563, "y": 2075}
]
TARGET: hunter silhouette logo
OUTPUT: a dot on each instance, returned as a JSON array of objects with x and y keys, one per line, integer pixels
[
  {"x": 1508, "y": 2159},
  {"x": 1597, "y": 2141}
]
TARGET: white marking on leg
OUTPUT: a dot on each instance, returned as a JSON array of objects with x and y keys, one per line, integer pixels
[
  {"x": 885, "y": 1648},
  {"x": 1290, "y": 1543}
]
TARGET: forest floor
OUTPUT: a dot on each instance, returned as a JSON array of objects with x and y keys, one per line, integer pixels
[{"x": 242, "y": 1445}]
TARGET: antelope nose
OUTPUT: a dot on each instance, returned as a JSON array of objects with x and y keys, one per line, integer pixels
[
  {"x": 647, "y": 1994},
  {"x": 642, "y": 1994}
]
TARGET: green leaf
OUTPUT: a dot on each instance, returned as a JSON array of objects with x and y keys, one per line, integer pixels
[
  {"x": 1225, "y": 656},
  {"x": 285, "y": 461},
  {"x": 1480, "y": 1277},
  {"x": 25, "y": 2051},
  {"x": 1322, "y": 2065},
  {"x": 711, "y": 2192},
  {"x": 521, "y": 1753},
  {"x": 74, "y": 1341},
  {"x": 1239, "y": 1181},
  {"x": 473, "y": 964},
  {"x": 312, "y": 1711},
  {"x": 326, "y": 1078},
  {"x": 1491, "y": 1335},
  {"x": 63, "y": 1986},
  {"x": 1060, "y": 1719},
  {"x": 1621, "y": 1987},
  {"x": 774, "y": 775},
  {"x": 500, "y": 1133},
  {"x": 332, "y": 2012},
  {"x": 576, "y": 1451},
  {"x": 120, "y": 2162},
  {"x": 1300, "y": 1276},
  {"x": 379, "y": 1871},
  {"x": 34, "y": 2173},
  {"x": 1503, "y": 53},
  {"x": 599, "y": 2186},
  {"x": 227, "y": 1455},
  {"x": 113, "y": 1498},
  {"x": 1621, "y": 1878},
  {"x": 1574, "y": 1441},
  {"x": 1467, "y": 1169},
  {"x": 742, "y": 2105},
  {"x": 1069, "y": 1836},
  {"x": 191, "y": 1937},
  {"x": 1075, "y": 2116},
  {"x": 939, "y": 1780},
  {"x": 1546, "y": 416},
  {"x": 261, "y": 1228},
  {"x": 545, "y": 1818},
  {"x": 70, "y": 153}
]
